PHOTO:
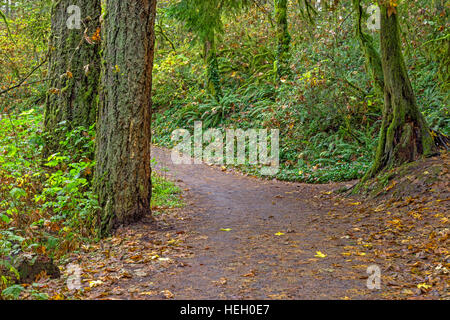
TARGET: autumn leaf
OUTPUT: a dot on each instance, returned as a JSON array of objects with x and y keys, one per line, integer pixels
[
  {"x": 391, "y": 11},
  {"x": 320, "y": 254},
  {"x": 167, "y": 294},
  {"x": 95, "y": 283}
]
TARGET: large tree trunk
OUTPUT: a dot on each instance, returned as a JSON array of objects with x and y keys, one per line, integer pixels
[
  {"x": 404, "y": 135},
  {"x": 123, "y": 172},
  {"x": 283, "y": 38},
  {"x": 74, "y": 66}
]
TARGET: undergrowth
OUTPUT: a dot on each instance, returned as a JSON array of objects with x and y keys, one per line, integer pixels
[
  {"x": 326, "y": 110},
  {"x": 47, "y": 206}
]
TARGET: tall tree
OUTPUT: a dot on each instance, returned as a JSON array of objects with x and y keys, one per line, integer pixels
[
  {"x": 283, "y": 38},
  {"x": 210, "y": 54},
  {"x": 74, "y": 67},
  {"x": 204, "y": 19},
  {"x": 404, "y": 135},
  {"x": 123, "y": 172}
]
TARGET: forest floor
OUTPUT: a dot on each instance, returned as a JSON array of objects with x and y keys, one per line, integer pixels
[{"x": 239, "y": 237}]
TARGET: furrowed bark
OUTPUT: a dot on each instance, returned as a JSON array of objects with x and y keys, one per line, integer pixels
[
  {"x": 74, "y": 67},
  {"x": 123, "y": 172}
]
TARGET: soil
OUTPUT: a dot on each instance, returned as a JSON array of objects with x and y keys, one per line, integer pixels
[{"x": 240, "y": 237}]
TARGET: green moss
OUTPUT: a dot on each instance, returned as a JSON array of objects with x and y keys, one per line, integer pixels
[{"x": 283, "y": 38}]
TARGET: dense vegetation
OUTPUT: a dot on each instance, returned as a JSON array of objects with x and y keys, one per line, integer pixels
[
  {"x": 299, "y": 66},
  {"x": 327, "y": 108}
]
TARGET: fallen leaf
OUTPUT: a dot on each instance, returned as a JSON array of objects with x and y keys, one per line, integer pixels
[
  {"x": 95, "y": 283},
  {"x": 167, "y": 294}
]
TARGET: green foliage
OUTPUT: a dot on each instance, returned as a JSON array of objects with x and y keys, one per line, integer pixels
[
  {"x": 203, "y": 18},
  {"x": 46, "y": 206},
  {"x": 165, "y": 194},
  {"x": 329, "y": 113},
  {"x": 46, "y": 203}
]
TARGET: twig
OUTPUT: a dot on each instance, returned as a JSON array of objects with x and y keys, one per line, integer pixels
[{"x": 21, "y": 82}]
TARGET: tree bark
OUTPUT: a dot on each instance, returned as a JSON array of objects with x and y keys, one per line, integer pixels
[
  {"x": 283, "y": 38},
  {"x": 123, "y": 172},
  {"x": 74, "y": 67},
  {"x": 404, "y": 135}
]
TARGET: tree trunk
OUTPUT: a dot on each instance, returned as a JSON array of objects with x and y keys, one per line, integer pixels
[
  {"x": 212, "y": 66},
  {"x": 404, "y": 135},
  {"x": 123, "y": 172},
  {"x": 373, "y": 59},
  {"x": 74, "y": 67},
  {"x": 283, "y": 38}
]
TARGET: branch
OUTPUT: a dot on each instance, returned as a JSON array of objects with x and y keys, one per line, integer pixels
[{"x": 21, "y": 82}]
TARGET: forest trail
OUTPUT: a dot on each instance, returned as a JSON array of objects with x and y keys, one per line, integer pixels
[{"x": 270, "y": 251}]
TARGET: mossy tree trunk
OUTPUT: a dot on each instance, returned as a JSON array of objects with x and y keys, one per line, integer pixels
[
  {"x": 123, "y": 172},
  {"x": 74, "y": 67},
  {"x": 373, "y": 59},
  {"x": 283, "y": 38},
  {"x": 404, "y": 135},
  {"x": 212, "y": 66}
]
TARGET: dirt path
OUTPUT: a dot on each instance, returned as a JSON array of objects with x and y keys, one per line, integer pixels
[
  {"x": 250, "y": 261},
  {"x": 240, "y": 237}
]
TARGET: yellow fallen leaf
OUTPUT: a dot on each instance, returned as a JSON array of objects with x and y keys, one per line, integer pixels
[
  {"x": 167, "y": 294},
  {"x": 320, "y": 254},
  {"x": 355, "y": 203},
  {"x": 225, "y": 229},
  {"x": 279, "y": 234},
  {"x": 59, "y": 296},
  {"x": 424, "y": 286},
  {"x": 172, "y": 241},
  {"x": 95, "y": 283}
]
